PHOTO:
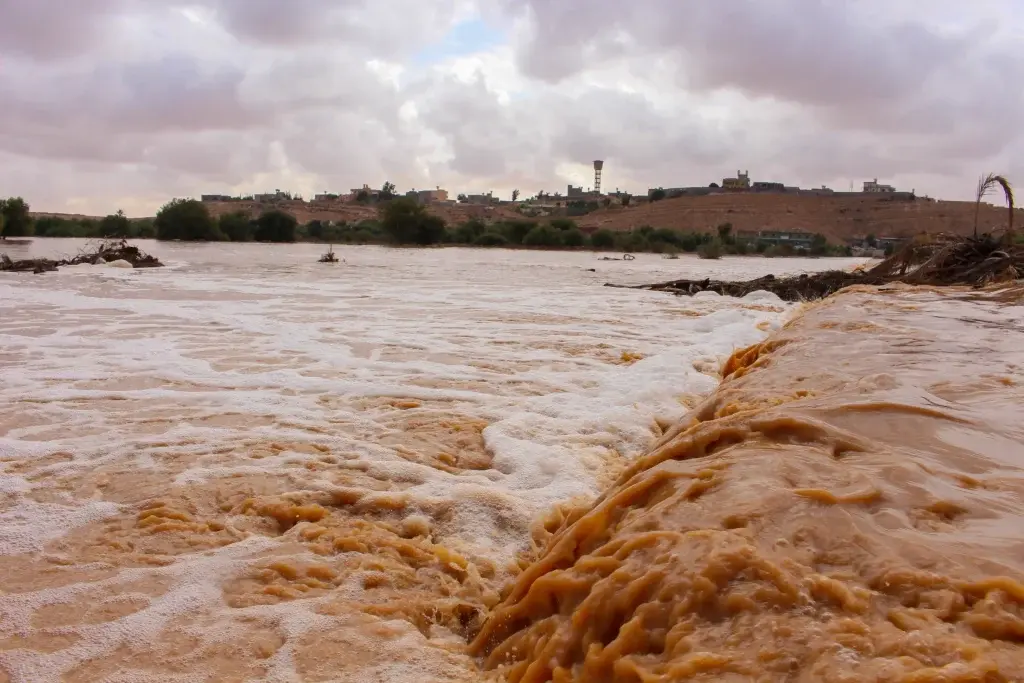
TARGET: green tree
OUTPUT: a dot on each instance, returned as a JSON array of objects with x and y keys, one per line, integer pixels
[
  {"x": 543, "y": 236},
  {"x": 275, "y": 226},
  {"x": 516, "y": 231},
  {"x": 363, "y": 197},
  {"x": 144, "y": 228},
  {"x": 236, "y": 226},
  {"x": 819, "y": 245},
  {"x": 187, "y": 220},
  {"x": 563, "y": 223},
  {"x": 724, "y": 231},
  {"x": 387, "y": 191},
  {"x": 469, "y": 231},
  {"x": 17, "y": 222},
  {"x": 603, "y": 239},
  {"x": 871, "y": 241},
  {"x": 573, "y": 238},
  {"x": 626, "y": 199},
  {"x": 657, "y": 195},
  {"x": 515, "y": 195},
  {"x": 116, "y": 225},
  {"x": 315, "y": 229},
  {"x": 407, "y": 222}
]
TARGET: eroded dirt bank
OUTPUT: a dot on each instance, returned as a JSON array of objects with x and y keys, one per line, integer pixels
[{"x": 846, "y": 507}]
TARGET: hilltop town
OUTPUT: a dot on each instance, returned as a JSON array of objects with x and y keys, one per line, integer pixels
[{"x": 758, "y": 211}]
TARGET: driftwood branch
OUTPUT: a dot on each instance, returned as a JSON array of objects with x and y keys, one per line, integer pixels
[
  {"x": 107, "y": 251},
  {"x": 943, "y": 261}
]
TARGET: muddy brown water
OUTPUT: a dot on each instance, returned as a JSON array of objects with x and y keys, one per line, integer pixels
[
  {"x": 343, "y": 475},
  {"x": 846, "y": 507}
]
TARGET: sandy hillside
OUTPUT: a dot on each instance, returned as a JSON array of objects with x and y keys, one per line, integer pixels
[{"x": 837, "y": 218}]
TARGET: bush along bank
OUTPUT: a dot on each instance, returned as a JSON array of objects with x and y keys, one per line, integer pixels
[{"x": 401, "y": 222}]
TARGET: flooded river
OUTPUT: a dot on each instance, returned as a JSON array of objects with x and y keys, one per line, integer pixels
[{"x": 248, "y": 466}]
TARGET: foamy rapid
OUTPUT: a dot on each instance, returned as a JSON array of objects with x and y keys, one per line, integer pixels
[{"x": 207, "y": 470}]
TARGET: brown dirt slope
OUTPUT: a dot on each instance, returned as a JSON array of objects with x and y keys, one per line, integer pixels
[
  {"x": 304, "y": 212},
  {"x": 837, "y": 218}
]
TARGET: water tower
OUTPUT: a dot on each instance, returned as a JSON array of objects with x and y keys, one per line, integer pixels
[{"x": 598, "y": 167}]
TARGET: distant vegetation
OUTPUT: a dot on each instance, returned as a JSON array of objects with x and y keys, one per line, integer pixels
[
  {"x": 14, "y": 218},
  {"x": 400, "y": 221}
]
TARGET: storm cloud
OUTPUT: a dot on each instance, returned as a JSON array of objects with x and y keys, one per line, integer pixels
[{"x": 113, "y": 104}]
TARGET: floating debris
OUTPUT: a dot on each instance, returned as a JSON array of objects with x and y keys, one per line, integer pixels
[
  {"x": 108, "y": 251},
  {"x": 942, "y": 261}
]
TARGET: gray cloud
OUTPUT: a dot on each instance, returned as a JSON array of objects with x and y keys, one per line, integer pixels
[
  {"x": 53, "y": 29},
  {"x": 132, "y": 101}
]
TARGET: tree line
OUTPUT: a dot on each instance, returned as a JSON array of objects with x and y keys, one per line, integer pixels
[{"x": 400, "y": 221}]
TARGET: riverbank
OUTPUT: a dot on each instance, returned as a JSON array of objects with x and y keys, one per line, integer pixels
[
  {"x": 845, "y": 507},
  {"x": 612, "y": 252}
]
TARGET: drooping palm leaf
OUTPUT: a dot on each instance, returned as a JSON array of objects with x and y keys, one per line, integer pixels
[{"x": 985, "y": 185}]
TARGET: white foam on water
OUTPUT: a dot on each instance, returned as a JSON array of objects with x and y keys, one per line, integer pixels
[{"x": 132, "y": 370}]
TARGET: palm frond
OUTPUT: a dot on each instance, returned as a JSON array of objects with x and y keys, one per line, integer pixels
[{"x": 987, "y": 184}]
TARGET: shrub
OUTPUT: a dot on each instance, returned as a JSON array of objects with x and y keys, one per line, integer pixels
[
  {"x": 469, "y": 231},
  {"x": 275, "y": 226},
  {"x": 516, "y": 231},
  {"x": 490, "y": 239},
  {"x": 665, "y": 236},
  {"x": 543, "y": 236},
  {"x": 574, "y": 238},
  {"x": 632, "y": 241},
  {"x": 710, "y": 250},
  {"x": 237, "y": 226},
  {"x": 116, "y": 225},
  {"x": 603, "y": 239},
  {"x": 563, "y": 224}
]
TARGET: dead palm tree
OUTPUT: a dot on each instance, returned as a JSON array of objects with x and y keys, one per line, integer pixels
[{"x": 985, "y": 185}]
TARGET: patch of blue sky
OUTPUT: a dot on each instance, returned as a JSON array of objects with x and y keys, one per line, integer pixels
[{"x": 465, "y": 38}]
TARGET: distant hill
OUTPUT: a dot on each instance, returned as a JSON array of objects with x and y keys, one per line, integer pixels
[{"x": 838, "y": 218}]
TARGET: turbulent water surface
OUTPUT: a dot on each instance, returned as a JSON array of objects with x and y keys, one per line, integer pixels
[
  {"x": 846, "y": 507},
  {"x": 249, "y": 466}
]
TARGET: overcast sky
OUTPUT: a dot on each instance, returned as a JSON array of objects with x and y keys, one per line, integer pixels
[{"x": 108, "y": 104}]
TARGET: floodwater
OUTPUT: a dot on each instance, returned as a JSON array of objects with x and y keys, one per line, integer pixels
[
  {"x": 846, "y": 507},
  {"x": 252, "y": 467}
]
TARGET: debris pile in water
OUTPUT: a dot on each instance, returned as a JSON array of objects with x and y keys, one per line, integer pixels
[
  {"x": 944, "y": 260},
  {"x": 108, "y": 251}
]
